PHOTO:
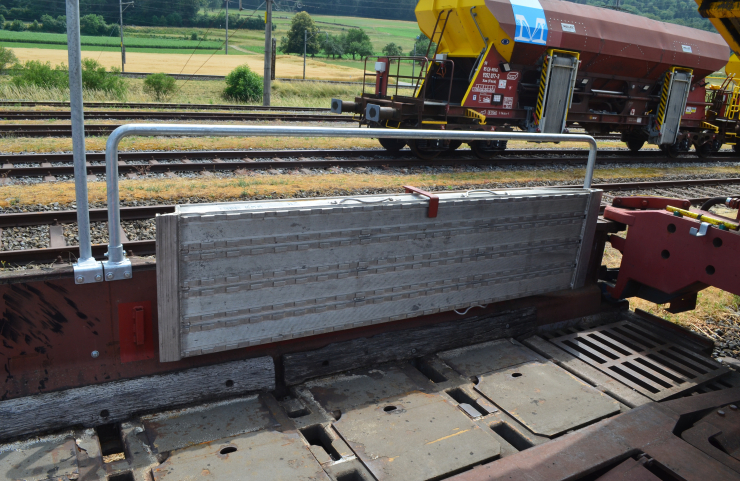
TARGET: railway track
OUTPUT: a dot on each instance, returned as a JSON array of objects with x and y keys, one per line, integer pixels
[
  {"x": 43, "y": 165},
  {"x": 161, "y": 106},
  {"x": 65, "y": 130},
  {"x": 150, "y": 115},
  {"x": 696, "y": 190}
]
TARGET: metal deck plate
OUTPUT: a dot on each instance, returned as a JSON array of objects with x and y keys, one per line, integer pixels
[
  {"x": 638, "y": 358},
  {"x": 415, "y": 437},
  {"x": 545, "y": 398},
  {"x": 252, "y": 273},
  {"x": 487, "y": 357},
  {"x": 398, "y": 431},
  {"x": 264, "y": 456},
  {"x": 344, "y": 393},
  {"x": 186, "y": 427},
  {"x": 46, "y": 458}
]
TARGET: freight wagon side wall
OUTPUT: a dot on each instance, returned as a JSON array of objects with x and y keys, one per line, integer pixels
[{"x": 610, "y": 42}]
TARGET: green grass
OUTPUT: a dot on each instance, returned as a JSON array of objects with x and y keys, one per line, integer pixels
[
  {"x": 172, "y": 39},
  {"x": 88, "y": 48},
  {"x": 314, "y": 94},
  {"x": 381, "y": 32},
  {"x": 132, "y": 42}
]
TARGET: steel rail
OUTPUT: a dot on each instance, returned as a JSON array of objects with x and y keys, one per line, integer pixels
[
  {"x": 554, "y": 155},
  {"x": 153, "y": 167},
  {"x": 117, "y": 267},
  {"x": 36, "y": 218},
  {"x": 150, "y": 115},
  {"x": 147, "y": 247},
  {"x": 154, "y": 105}
]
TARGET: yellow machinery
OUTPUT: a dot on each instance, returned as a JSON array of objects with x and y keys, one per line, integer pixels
[{"x": 725, "y": 16}]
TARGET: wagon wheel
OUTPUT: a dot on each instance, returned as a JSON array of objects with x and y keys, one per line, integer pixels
[
  {"x": 634, "y": 143},
  {"x": 487, "y": 149},
  {"x": 670, "y": 151},
  {"x": 708, "y": 148},
  {"x": 392, "y": 145},
  {"x": 424, "y": 149}
]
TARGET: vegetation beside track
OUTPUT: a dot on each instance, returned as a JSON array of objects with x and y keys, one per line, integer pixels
[
  {"x": 22, "y": 145},
  {"x": 250, "y": 185},
  {"x": 293, "y": 94}
]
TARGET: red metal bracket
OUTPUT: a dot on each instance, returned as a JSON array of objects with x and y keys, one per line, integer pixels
[
  {"x": 660, "y": 252},
  {"x": 135, "y": 331},
  {"x": 433, "y": 199}
]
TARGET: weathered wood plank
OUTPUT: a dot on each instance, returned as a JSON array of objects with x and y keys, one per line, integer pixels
[
  {"x": 406, "y": 344},
  {"x": 116, "y": 401},
  {"x": 168, "y": 283}
]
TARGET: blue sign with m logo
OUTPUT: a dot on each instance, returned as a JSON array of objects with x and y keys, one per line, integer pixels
[{"x": 531, "y": 24}]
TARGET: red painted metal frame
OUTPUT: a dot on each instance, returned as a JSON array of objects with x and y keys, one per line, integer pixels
[
  {"x": 49, "y": 328},
  {"x": 659, "y": 252}
]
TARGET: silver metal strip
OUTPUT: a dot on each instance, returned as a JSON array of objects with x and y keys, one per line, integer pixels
[{"x": 86, "y": 269}]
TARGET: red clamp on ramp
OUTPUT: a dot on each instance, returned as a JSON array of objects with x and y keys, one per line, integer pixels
[{"x": 433, "y": 199}]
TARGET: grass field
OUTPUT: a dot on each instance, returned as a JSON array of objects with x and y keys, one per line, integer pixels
[
  {"x": 296, "y": 94},
  {"x": 11, "y": 38},
  {"x": 287, "y": 66},
  {"x": 246, "y": 44}
]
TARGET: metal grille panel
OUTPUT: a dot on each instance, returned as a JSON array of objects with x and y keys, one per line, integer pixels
[
  {"x": 257, "y": 272},
  {"x": 638, "y": 358}
]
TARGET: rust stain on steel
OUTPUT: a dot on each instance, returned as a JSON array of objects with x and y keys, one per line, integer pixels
[
  {"x": 718, "y": 435},
  {"x": 447, "y": 437}
]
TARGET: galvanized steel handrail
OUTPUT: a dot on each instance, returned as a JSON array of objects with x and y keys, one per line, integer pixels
[{"x": 118, "y": 267}]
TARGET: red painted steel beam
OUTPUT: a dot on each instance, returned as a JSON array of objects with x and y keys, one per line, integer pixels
[{"x": 660, "y": 252}]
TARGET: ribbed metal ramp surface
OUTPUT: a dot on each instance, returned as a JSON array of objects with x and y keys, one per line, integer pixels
[{"x": 242, "y": 274}]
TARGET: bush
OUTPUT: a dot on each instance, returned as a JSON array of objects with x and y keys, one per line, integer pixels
[
  {"x": 15, "y": 26},
  {"x": 193, "y": 36},
  {"x": 7, "y": 58},
  {"x": 159, "y": 85},
  {"x": 243, "y": 85},
  {"x": 393, "y": 50},
  {"x": 2, "y": 21},
  {"x": 95, "y": 77},
  {"x": 38, "y": 74},
  {"x": 95, "y": 25},
  {"x": 174, "y": 20},
  {"x": 54, "y": 25}
]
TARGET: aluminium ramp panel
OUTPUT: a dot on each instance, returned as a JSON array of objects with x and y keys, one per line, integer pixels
[
  {"x": 560, "y": 84},
  {"x": 241, "y": 274},
  {"x": 675, "y": 107}
]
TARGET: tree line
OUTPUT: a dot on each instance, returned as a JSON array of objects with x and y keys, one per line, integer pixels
[
  {"x": 354, "y": 42},
  {"x": 176, "y": 13},
  {"x": 186, "y": 13}
]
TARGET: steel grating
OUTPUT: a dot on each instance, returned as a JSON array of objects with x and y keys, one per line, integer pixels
[
  {"x": 248, "y": 273},
  {"x": 634, "y": 356}
]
